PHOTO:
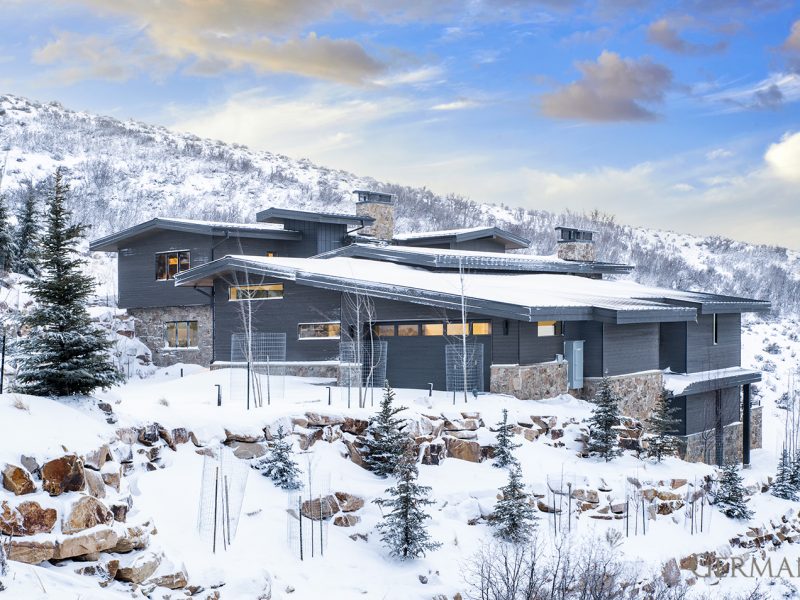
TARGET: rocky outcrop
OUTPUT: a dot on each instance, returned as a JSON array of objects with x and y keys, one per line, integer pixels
[
  {"x": 349, "y": 502},
  {"x": 90, "y": 542},
  {"x": 27, "y": 518},
  {"x": 32, "y": 553},
  {"x": 138, "y": 568},
  {"x": 86, "y": 513},
  {"x": 468, "y": 450},
  {"x": 17, "y": 480},
  {"x": 63, "y": 474}
]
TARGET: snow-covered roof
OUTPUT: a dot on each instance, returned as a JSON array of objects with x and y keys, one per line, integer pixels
[
  {"x": 681, "y": 384},
  {"x": 438, "y": 258},
  {"x": 527, "y": 297},
  {"x": 277, "y": 215},
  {"x": 110, "y": 243},
  {"x": 511, "y": 240}
]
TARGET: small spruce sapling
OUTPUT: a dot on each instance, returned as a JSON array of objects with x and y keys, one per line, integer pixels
[
  {"x": 662, "y": 423},
  {"x": 504, "y": 451},
  {"x": 403, "y": 529},
  {"x": 794, "y": 470},
  {"x": 729, "y": 496},
  {"x": 26, "y": 236},
  {"x": 279, "y": 465},
  {"x": 514, "y": 518},
  {"x": 605, "y": 416},
  {"x": 783, "y": 487},
  {"x": 7, "y": 247},
  {"x": 384, "y": 443}
]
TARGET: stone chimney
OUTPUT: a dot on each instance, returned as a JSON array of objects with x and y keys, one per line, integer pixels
[
  {"x": 575, "y": 244},
  {"x": 380, "y": 207}
]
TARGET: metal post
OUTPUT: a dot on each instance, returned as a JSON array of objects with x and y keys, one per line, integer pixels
[
  {"x": 300, "y": 517},
  {"x": 216, "y": 496},
  {"x": 627, "y": 517},
  {"x": 430, "y": 390},
  {"x": 248, "y": 385},
  {"x": 3, "y": 362},
  {"x": 746, "y": 417},
  {"x": 320, "y": 526},
  {"x": 329, "y": 394},
  {"x": 269, "y": 390},
  {"x": 569, "y": 504},
  {"x": 219, "y": 394},
  {"x": 181, "y": 372}
]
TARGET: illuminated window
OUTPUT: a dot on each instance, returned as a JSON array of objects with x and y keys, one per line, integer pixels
[
  {"x": 383, "y": 330},
  {"x": 482, "y": 328},
  {"x": 319, "y": 331},
  {"x": 180, "y": 334},
  {"x": 269, "y": 254},
  {"x": 457, "y": 329},
  {"x": 267, "y": 291},
  {"x": 407, "y": 330},
  {"x": 550, "y": 328},
  {"x": 169, "y": 264},
  {"x": 432, "y": 329}
]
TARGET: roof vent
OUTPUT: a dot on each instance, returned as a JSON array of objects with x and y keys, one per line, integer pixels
[
  {"x": 380, "y": 207},
  {"x": 576, "y": 244}
]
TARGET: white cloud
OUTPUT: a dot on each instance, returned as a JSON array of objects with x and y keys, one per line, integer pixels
[
  {"x": 783, "y": 157},
  {"x": 421, "y": 75},
  {"x": 718, "y": 154},
  {"x": 455, "y": 105},
  {"x": 770, "y": 92}
]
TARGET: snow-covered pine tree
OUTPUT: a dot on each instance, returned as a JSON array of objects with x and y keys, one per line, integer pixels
[
  {"x": 403, "y": 529},
  {"x": 7, "y": 248},
  {"x": 26, "y": 236},
  {"x": 384, "y": 444},
  {"x": 514, "y": 518},
  {"x": 782, "y": 486},
  {"x": 504, "y": 451},
  {"x": 3, "y": 565},
  {"x": 662, "y": 423},
  {"x": 64, "y": 353},
  {"x": 729, "y": 496},
  {"x": 605, "y": 416},
  {"x": 794, "y": 470},
  {"x": 279, "y": 465}
]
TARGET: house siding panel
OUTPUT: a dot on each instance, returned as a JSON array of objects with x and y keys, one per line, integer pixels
[
  {"x": 629, "y": 348},
  {"x": 702, "y": 354},
  {"x": 701, "y": 410},
  {"x": 672, "y": 347}
]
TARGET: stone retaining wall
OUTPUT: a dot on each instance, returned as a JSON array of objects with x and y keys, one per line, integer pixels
[
  {"x": 149, "y": 327},
  {"x": 321, "y": 369},
  {"x": 530, "y": 382},
  {"x": 756, "y": 428},
  {"x": 639, "y": 392},
  {"x": 702, "y": 446}
]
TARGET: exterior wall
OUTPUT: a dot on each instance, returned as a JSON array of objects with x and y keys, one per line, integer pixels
[
  {"x": 702, "y": 354},
  {"x": 317, "y": 237},
  {"x": 639, "y": 392},
  {"x": 149, "y": 327},
  {"x": 701, "y": 409},
  {"x": 592, "y": 334},
  {"x": 756, "y": 427},
  {"x": 383, "y": 213},
  {"x": 629, "y": 348},
  {"x": 480, "y": 245},
  {"x": 672, "y": 347},
  {"x": 530, "y": 382},
  {"x": 702, "y": 446},
  {"x": 578, "y": 251}
]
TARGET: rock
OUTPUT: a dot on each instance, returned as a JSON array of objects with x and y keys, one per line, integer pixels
[
  {"x": 423, "y": 580},
  {"x": 170, "y": 578},
  {"x": 111, "y": 475},
  {"x": 320, "y": 508},
  {"x": 468, "y": 450},
  {"x": 17, "y": 480},
  {"x": 346, "y": 520},
  {"x": 556, "y": 434},
  {"x": 689, "y": 563},
  {"x": 586, "y": 495},
  {"x": 671, "y": 573},
  {"x": 138, "y": 568},
  {"x": 546, "y": 423},
  {"x": 32, "y": 465},
  {"x": 86, "y": 513},
  {"x": 32, "y": 553},
  {"x": 354, "y": 426},
  {"x": 242, "y": 437},
  {"x": 532, "y": 434},
  {"x": 123, "y": 454},
  {"x": 307, "y": 437},
  {"x": 135, "y": 537},
  {"x": 649, "y": 494},
  {"x": 98, "y": 540},
  {"x": 148, "y": 435},
  {"x": 666, "y": 495},
  {"x": 678, "y": 483},
  {"x": 180, "y": 436},
  {"x": 28, "y": 518},
  {"x": 120, "y": 512},
  {"x": 465, "y": 434},
  {"x": 63, "y": 474},
  {"x": 127, "y": 435},
  {"x": 97, "y": 458},
  {"x": 354, "y": 453},
  {"x": 349, "y": 502},
  {"x": 546, "y": 508},
  {"x": 434, "y": 453},
  {"x": 618, "y": 508},
  {"x": 319, "y": 420},
  {"x": 248, "y": 450},
  {"x": 94, "y": 484}
]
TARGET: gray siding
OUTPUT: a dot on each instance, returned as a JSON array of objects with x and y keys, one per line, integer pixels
[
  {"x": 505, "y": 345},
  {"x": 317, "y": 237},
  {"x": 480, "y": 245},
  {"x": 629, "y": 348},
  {"x": 701, "y": 410},
  {"x": 672, "y": 347},
  {"x": 702, "y": 354},
  {"x": 591, "y": 332}
]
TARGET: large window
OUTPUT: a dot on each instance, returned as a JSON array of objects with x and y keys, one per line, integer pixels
[
  {"x": 407, "y": 329},
  {"x": 550, "y": 328},
  {"x": 319, "y": 331},
  {"x": 383, "y": 329},
  {"x": 482, "y": 328},
  {"x": 169, "y": 264},
  {"x": 266, "y": 291},
  {"x": 180, "y": 334},
  {"x": 433, "y": 329}
]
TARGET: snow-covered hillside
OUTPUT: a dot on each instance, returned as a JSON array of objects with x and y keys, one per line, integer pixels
[{"x": 124, "y": 172}]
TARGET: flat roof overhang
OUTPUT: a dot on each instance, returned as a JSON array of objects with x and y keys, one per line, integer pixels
[
  {"x": 687, "y": 384},
  {"x": 511, "y": 241},
  {"x": 279, "y": 215}
]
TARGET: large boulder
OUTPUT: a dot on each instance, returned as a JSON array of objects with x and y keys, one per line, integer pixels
[
  {"x": 32, "y": 553},
  {"x": 18, "y": 480},
  {"x": 468, "y": 450},
  {"x": 112, "y": 475},
  {"x": 248, "y": 450},
  {"x": 346, "y": 520},
  {"x": 135, "y": 537},
  {"x": 355, "y": 454},
  {"x": 138, "y": 568},
  {"x": 349, "y": 502},
  {"x": 249, "y": 438},
  {"x": 170, "y": 577},
  {"x": 94, "y": 484},
  {"x": 320, "y": 508},
  {"x": 354, "y": 426},
  {"x": 28, "y": 518},
  {"x": 320, "y": 420},
  {"x": 97, "y": 458},
  {"x": 82, "y": 544},
  {"x": 434, "y": 453},
  {"x": 86, "y": 513},
  {"x": 63, "y": 474}
]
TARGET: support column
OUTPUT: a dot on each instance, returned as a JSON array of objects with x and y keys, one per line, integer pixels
[{"x": 746, "y": 416}]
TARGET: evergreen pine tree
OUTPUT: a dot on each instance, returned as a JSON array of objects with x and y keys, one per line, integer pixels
[
  {"x": 729, "y": 496},
  {"x": 605, "y": 416},
  {"x": 662, "y": 423},
  {"x": 403, "y": 529},
  {"x": 7, "y": 248},
  {"x": 384, "y": 444},
  {"x": 64, "y": 353},
  {"x": 783, "y": 487},
  {"x": 279, "y": 465},
  {"x": 514, "y": 517},
  {"x": 504, "y": 451},
  {"x": 794, "y": 470},
  {"x": 26, "y": 236}
]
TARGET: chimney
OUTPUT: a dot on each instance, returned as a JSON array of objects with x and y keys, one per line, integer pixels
[
  {"x": 380, "y": 207},
  {"x": 575, "y": 244}
]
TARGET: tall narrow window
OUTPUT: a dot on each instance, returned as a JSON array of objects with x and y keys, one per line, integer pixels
[
  {"x": 550, "y": 328},
  {"x": 319, "y": 331},
  {"x": 180, "y": 334},
  {"x": 169, "y": 264},
  {"x": 715, "y": 328},
  {"x": 266, "y": 291}
]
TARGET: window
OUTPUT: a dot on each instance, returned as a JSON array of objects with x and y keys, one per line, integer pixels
[
  {"x": 319, "y": 331},
  {"x": 550, "y": 328},
  {"x": 715, "y": 329},
  {"x": 180, "y": 334},
  {"x": 457, "y": 329},
  {"x": 383, "y": 330},
  {"x": 432, "y": 329},
  {"x": 169, "y": 264},
  {"x": 482, "y": 328},
  {"x": 407, "y": 329},
  {"x": 266, "y": 291},
  {"x": 270, "y": 254}
]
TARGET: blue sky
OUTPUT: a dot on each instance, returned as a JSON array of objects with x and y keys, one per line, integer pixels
[{"x": 681, "y": 115}]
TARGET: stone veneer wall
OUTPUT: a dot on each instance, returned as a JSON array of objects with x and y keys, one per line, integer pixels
[
  {"x": 577, "y": 251},
  {"x": 756, "y": 427},
  {"x": 638, "y": 392},
  {"x": 702, "y": 446},
  {"x": 321, "y": 369},
  {"x": 149, "y": 327},
  {"x": 383, "y": 213},
  {"x": 530, "y": 382}
]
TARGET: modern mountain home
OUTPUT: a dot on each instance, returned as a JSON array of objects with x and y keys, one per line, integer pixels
[{"x": 544, "y": 325}]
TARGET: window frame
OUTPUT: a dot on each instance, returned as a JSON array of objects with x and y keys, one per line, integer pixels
[
  {"x": 177, "y": 253},
  {"x": 414, "y": 325},
  {"x": 714, "y": 329},
  {"x": 191, "y": 332},
  {"x": 319, "y": 338},
  {"x": 231, "y": 289},
  {"x": 376, "y": 327},
  {"x": 558, "y": 328}
]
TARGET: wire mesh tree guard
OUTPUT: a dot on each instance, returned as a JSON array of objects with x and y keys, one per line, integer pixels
[
  {"x": 455, "y": 371},
  {"x": 258, "y": 367},
  {"x": 362, "y": 368},
  {"x": 222, "y": 489},
  {"x": 309, "y": 512}
]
